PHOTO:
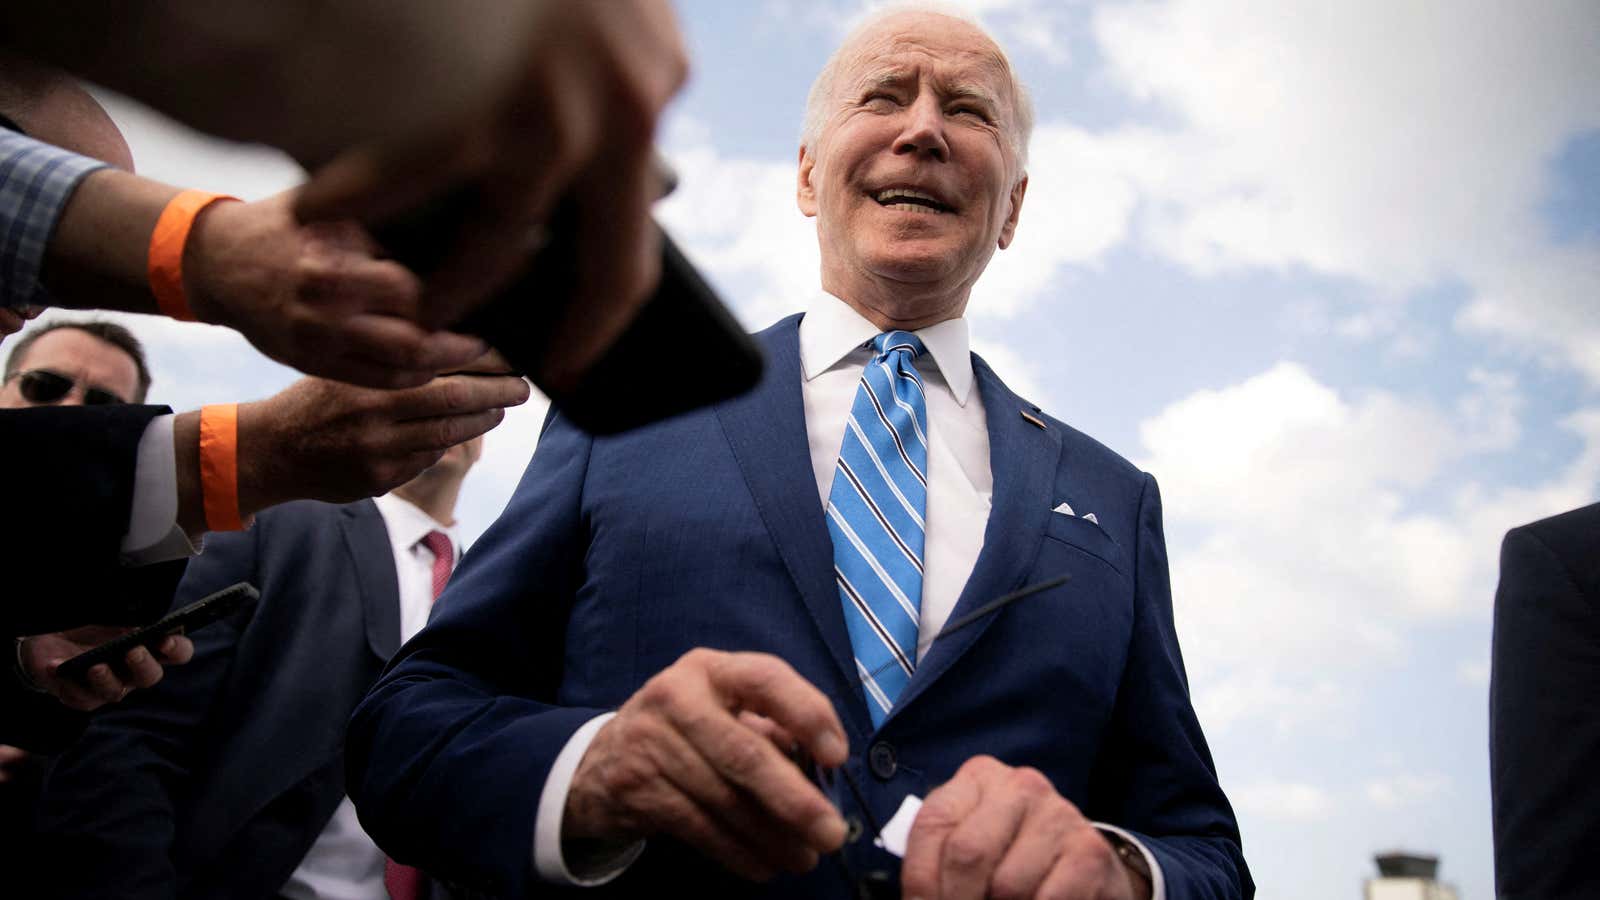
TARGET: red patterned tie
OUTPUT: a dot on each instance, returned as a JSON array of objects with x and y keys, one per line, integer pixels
[
  {"x": 405, "y": 882},
  {"x": 444, "y": 557}
]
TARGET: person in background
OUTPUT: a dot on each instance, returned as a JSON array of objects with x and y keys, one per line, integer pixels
[
  {"x": 226, "y": 780},
  {"x": 1544, "y": 709},
  {"x": 125, "y": 480}
]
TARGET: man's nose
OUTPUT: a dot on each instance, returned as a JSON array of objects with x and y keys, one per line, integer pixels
[{"x": 923, "y": 132}]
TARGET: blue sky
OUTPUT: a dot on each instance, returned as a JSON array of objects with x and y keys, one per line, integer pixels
[{"x": 1329, "y": 271}]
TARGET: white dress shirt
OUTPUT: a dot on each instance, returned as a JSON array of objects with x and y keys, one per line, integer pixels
[
  {"x": 344, "y": 864},
  {"x": 834, "y": 349},
  {"x": 153, "y": 533}
]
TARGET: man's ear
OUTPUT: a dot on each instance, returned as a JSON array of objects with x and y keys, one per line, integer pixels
[
  {"x": 805, "y": 193},
  {"x": 1009, "y": 229}
]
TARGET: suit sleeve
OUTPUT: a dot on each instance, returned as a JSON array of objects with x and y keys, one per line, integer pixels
[
  {"x": 1154, "y": 776},
  {"x": 448, "y": 753},
  {"x": 108, "y": 814},
  {"x": 69, "y": 499},
  {"x": 1544, "y": 724}
]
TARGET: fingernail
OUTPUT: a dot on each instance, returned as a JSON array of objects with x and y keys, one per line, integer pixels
[
  {"x": 138, "y": 655},
  {"x": 831, "y": 748},
  {"x": 827, "y": 831}
]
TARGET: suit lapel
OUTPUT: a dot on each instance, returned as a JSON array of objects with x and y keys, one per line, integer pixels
[
  {"x": 1024, "y": 458},
  {"x": 368, "y": 542},
  {"x": 767, "y": 430}
]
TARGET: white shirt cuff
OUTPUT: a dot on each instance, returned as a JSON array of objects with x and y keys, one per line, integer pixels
[
  {"x": 548, "y": 858},
  {"x": 1158, "y": 883},
  {"x": 153, "y": 534}
]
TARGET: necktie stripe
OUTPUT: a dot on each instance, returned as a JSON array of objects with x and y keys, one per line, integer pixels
[
  {"x": 876, "y": 514},
  {"x": 873, "y": 690},
  {"x": 911, "y": 555},
  {"x": 884, "y": 473},
  {"x": 866, "y": 391},
  {"x": 873, "y": 622},
  {"x": 865, "y": 554},
  {"x": 916, "y": 423}
]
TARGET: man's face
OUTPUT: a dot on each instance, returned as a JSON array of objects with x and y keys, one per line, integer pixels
[
  {"x": 85, "y": 360},
  {"x": 913, "y": 178}
]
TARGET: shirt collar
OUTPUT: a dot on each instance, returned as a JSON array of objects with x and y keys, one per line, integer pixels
[
  {"x": 831, "y": 330},
  {"x": 408, "y": 524}
]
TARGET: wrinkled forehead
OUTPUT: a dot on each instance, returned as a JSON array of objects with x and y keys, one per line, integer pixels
[{"x": 954, "y": 55}]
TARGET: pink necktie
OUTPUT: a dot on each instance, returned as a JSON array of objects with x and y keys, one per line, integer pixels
[
  {"x": 405, "y": 882},
  {"x": 444, "y": 557}
]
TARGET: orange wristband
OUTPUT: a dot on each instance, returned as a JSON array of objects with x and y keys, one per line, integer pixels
[
  {"x": 219, "y": 466},
  {"x": 166, "y": 251}
]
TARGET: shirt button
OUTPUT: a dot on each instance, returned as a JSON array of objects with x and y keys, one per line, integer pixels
[{"x": 881, "y": 760}]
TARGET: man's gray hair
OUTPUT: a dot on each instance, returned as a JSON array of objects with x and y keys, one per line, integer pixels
[{"x": 818, "y": 100}]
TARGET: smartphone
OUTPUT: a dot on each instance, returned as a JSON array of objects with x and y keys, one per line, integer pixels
[
  {"x": 684, "y": 349},
  {"x": 196, "y": 615}
]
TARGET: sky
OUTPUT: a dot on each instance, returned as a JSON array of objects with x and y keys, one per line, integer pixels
[{"x": 1329, "y": 271}]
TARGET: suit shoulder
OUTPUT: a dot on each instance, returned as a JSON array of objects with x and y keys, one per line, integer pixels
[
  {"x": 310, "y": 513},
  {"x": 1573, "y": 537}
]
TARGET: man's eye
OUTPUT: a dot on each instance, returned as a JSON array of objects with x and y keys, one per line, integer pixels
[
  {"x": 880, "y": 99},
  {"x": 972, "y": 111}
]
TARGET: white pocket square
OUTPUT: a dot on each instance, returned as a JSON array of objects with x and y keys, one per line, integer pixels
[{"x": 1066, "y": 510}]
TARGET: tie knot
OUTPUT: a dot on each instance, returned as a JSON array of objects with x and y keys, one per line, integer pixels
[
  {"x": 439, "y": 543},
  {"x": 891, "y": 341}
]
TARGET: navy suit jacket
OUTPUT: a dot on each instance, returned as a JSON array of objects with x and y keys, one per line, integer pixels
[
  {"x": 1544, "y": 709},
  {"x": 215, "y": 783},
  {"x": 617, "y": 555}
]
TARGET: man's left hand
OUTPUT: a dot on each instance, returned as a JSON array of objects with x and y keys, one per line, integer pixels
[{"x": 1000, "y": 831}]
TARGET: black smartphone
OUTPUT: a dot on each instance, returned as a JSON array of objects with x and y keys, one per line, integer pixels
[
  {"x": 682, "y": 351},
  {"x": 196, "y": 615}
]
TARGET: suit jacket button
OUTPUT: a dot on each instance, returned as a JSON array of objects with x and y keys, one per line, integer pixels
[{"x": 882, "y": 761}]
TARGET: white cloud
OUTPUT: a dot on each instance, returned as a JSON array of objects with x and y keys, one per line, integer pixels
[
  {"x": 1399, "y": 144},
  {"x": 737, "y": 220},
  {"x": 1310, "y": 553},
  {"x": 1405, "y": 789},
  {"x": 1284, "y": 801}
]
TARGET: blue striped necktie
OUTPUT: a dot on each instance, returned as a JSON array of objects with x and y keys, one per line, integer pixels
[{"x": 875, "y": 512}]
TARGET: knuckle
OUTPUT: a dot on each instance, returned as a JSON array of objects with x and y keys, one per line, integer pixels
[
  {"x": 967, "y": 850},
  {"x": 742, "y": 756},
  {"x": 1032, "y": 782}
]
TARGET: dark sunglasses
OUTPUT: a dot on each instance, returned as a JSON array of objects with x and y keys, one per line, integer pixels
[{"x": 44, "y": 387}]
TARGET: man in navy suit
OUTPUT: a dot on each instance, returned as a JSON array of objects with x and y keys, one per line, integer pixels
[
  {"x": 612, "y": 685},
  {"x": 1544, "y": 733},
  {"x": 227, "y": 779}
]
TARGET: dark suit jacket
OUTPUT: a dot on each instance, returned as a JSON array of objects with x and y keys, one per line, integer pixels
[
  {"x": 68, "y": 494},
  {"x": 1544, "y": 709},
  {"x": 215, "y": 783},
  {"x": 616, "y": 555}
]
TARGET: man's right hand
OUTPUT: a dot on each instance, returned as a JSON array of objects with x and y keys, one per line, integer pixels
[
  {"x": 692, "y": 755},
  {"x": 576, "y": 119}
]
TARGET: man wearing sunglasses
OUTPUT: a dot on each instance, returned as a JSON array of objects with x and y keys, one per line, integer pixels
[{"x": 75, "y": 364}]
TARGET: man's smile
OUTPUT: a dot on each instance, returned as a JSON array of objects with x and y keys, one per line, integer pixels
[{"x": 911, "y": 199}]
